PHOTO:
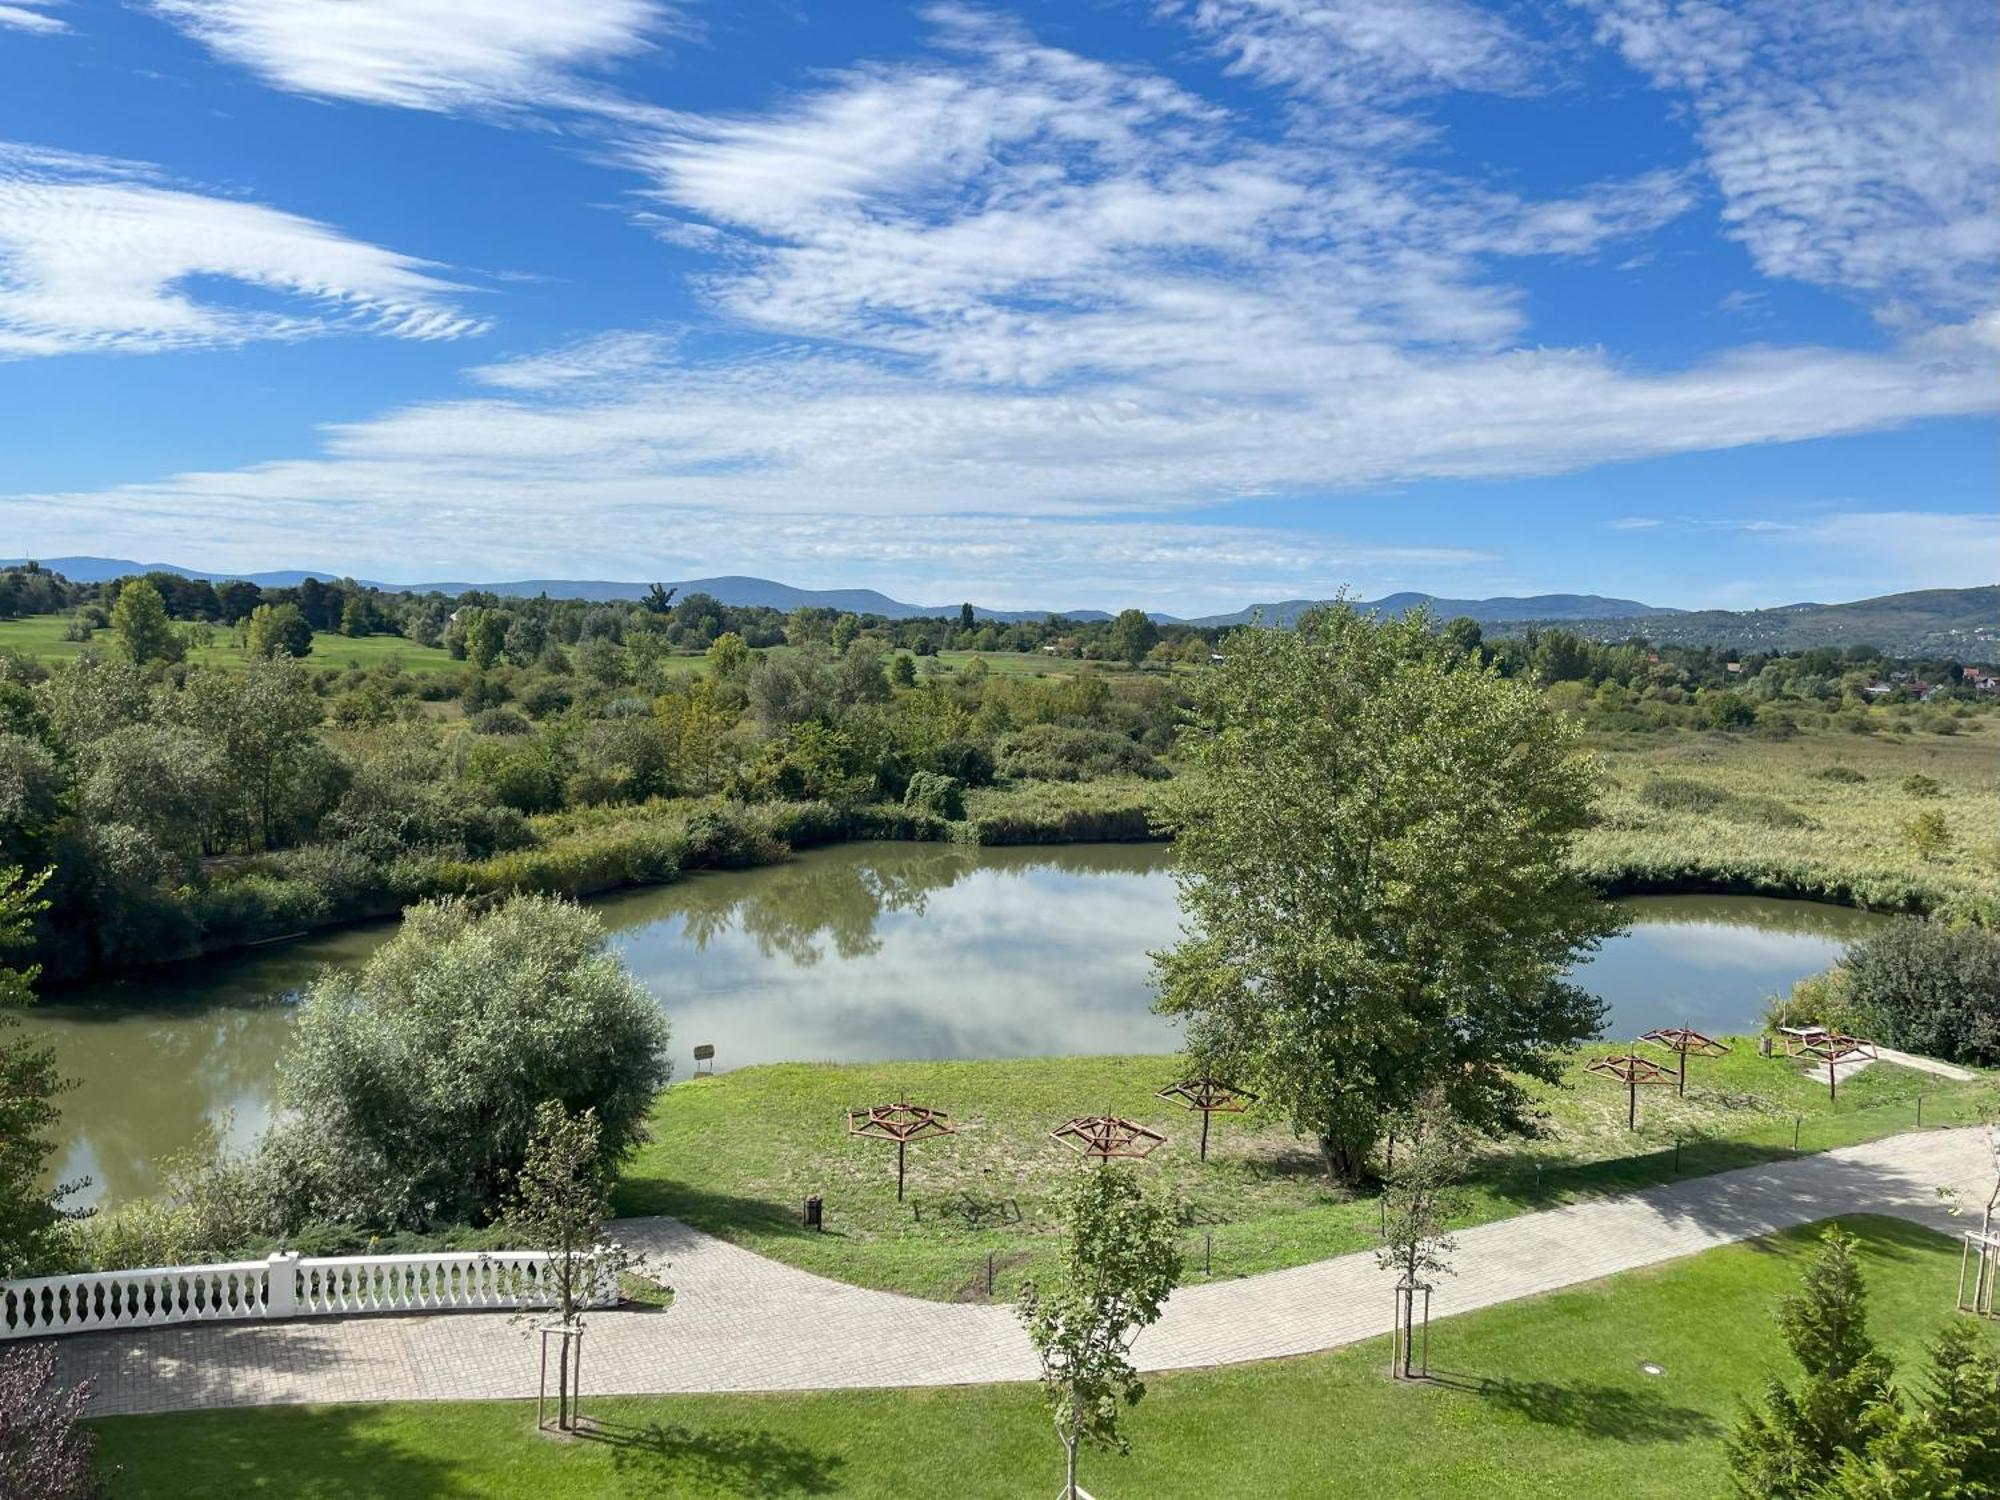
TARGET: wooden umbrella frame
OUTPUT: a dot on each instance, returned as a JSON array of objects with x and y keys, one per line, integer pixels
[
  {"x": 1634, "y": 1071},
  {"x": 902, "y": 1123},
  {"x": 1682, "y": 1040},
  {"x": 1212, "y": 1097},
  {"x": 1108, "y": 1136},
  {"x": 1835, "y": 1048}
]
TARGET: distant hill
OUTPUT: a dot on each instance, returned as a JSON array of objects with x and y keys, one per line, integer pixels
[
  {"x": 1962, "y": 623},
  {"x": 1930, "y": 622},
  {"x": 1503, "y": 611},
  {"x": 735, "y": 590}
]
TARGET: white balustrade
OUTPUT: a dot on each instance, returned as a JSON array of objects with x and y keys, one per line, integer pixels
[{"x": 287, "y": 1285}]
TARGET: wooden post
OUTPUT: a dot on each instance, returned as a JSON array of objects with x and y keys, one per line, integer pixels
[
  {"x": 1632, "y": 1109},
  {"x": 1204, "y": 1133},
  {"x": 901, "y": 1147}
]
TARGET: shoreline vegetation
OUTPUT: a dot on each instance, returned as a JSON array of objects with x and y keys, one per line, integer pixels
[
  {"x": 205, "y": 768},
  {"x": 594, "y": 852}
]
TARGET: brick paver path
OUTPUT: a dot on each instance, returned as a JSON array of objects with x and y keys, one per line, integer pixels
[{"x": 741, "y": 1322}]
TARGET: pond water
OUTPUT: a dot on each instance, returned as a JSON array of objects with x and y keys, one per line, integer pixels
[{"x": 861, "y": 952}]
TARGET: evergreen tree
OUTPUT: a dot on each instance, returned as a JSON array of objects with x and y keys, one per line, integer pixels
[{"x": 1791, "y": 1448}]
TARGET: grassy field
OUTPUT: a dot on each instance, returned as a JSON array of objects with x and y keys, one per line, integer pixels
[
  {"x": 1543, "y": 1398},
  {"x": 1774, "y": 818},
  {"x": 42, "y": 636},
  {"x": 737, "y": 1155}
]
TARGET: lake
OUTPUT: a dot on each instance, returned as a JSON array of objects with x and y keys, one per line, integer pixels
[{"x": 860, "y": 952}]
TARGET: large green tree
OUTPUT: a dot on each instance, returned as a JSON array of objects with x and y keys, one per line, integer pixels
[
  {"x": 1372, "y": 855},
  {"x": 262, "y": 723},
  {"x": 278, "y": 630},
  {"x": 413, "y": 1082},
  {"x": 1133, "y": 634},
  {"x": 140, "y": 619}
]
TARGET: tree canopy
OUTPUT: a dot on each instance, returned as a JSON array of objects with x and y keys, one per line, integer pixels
[{"x": 1372, "y": 864}]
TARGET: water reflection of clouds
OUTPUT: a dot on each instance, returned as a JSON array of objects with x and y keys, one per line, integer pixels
[{"x": 856, "y": 953}]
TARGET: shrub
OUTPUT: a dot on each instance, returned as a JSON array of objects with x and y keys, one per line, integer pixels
[
  {"x": 1059, "y": 752},
  {"x": 500, "y": 720},
  {"x": 1823, "y": 999},
  {"x": 1679, "y": 794},
  {"x": 1929, "y": 988},
  {"x": 940, "y": 796},
  {"x": 1916, "y": 784},
  {"x": 412, "y": 1083},
  {"x": 1928, "y": 834},
  {"x": 1845, "y": 775},
  {"x": 45, "y": 1450}
]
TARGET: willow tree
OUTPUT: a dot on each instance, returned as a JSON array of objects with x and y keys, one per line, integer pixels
[{"x": 1373, "y": 861}]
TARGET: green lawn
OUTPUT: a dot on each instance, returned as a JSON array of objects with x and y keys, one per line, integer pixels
[
  {"x": 737, "y": 1154},
  {"x": 42, "y": 636},
  {"x": 1542, "y": 1398}
]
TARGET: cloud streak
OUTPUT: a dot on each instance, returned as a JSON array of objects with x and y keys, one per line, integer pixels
[
  {"x": 437, "y": 55},
  {"x": 101, "y": 255}
]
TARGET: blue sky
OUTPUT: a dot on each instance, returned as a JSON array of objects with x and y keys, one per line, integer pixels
[{"x": 1186, "y": 304}]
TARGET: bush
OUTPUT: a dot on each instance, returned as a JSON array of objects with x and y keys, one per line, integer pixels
[
  {"x": 500, "y": 720},
  {"x": 939, "y": 796},
  {"x": 1059, "y": 752},
  {"x": 1844, "y": 775},
  {"x": 412, "y": 1083},
  {"x": 1916, "y": 784},
  {"x": 1931, "y": 989}
]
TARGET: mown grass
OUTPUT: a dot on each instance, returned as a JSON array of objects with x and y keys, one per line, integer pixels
[
  {"x": 737, "y": 1155},
  {"x": 1540, "y": 1398},
  {"x": 41, "y": 636},
  {"x": 1776, "y": 822}
]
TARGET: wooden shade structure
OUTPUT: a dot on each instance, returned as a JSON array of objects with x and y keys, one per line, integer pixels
[
  {"x": 1682, "y": 1040},
  {"x": 902, "y": 1123},
  {"x": 1106, "y": 1136},
  {"x": 1834, "y": 1048},
  {"x": 1635, "y": 1072},
  {"x": 1212, "y": 1097}
]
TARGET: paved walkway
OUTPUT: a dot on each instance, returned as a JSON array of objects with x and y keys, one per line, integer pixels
[{"x": 741, "y": 1322}]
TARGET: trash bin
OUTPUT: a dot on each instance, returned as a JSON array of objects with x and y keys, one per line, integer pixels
[
  {"x": 815, "y": 1215},
  {"x": 1764, "y": 1045}
]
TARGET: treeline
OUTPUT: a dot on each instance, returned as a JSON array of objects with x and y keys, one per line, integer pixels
[{"x": 185, "y": 807}]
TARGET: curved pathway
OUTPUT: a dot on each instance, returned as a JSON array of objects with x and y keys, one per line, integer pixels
[{"x": 741, "y": 1322}]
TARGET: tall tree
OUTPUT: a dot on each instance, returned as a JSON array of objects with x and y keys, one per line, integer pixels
[
  {"x": 965, "y": 617},
  {"x": 1372, "y": 860},
  {"x": 262, "y": 722},
  {"x": 1117, "y": 1264},
  {"x": 1133, "y": 635},
  {"x": 29, "y": 1085},
  {"x": 140, "y": 619}
]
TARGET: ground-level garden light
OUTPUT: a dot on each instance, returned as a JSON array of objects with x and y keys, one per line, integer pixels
[
  {"x": 1212, "y": 1097},
  {"x": 1682, "y": 1040},
  {"x": 1634, "y": 1071},
  {"x": 1834, "y": 1048},
  {"x": 902, "y": 1123},
  {"x": 1106, "y": 1136}
]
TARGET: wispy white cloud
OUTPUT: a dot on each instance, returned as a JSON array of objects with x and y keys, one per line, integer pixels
[
  {"x": 441, "y": 55},
  {"x": 585, "y": 363},
  {"x": 1852, "y": 141},
  {"x": 1633, "y": 523},
  {"x": 32, "y": 15},
  {"x": 100, "y": 254},
  {"x": 1907, "y": 548},
  {"x": 1364, "y": 52}
]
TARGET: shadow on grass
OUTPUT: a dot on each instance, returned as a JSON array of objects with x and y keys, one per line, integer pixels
[
  {"x": 719, "y": 1214},
  {"x": 739, "y": 1461},
  {"x": 327, "y": 1453},
  {"x": 1597, "y": 1411}
]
